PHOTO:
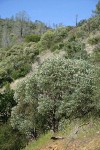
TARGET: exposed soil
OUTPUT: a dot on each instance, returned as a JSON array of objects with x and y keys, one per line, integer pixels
[{"x": 77, "y": 144}]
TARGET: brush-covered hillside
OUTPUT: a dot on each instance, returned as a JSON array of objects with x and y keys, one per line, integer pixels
[
  {"x": 49, "y": 84},
  {"x": 81, "y": 42}
]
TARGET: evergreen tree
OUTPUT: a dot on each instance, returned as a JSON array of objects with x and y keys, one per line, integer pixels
[{"x": 97, "y": 10}]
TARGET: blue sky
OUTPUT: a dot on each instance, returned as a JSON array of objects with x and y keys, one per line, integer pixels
[{"x": 49, "y": 11}]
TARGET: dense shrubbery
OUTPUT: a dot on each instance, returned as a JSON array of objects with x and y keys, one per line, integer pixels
[
  {"x": 4, "y": 77},
  {"x": 21, "y": 71},
  {"x": 16, "y": 61},
  {"x": 75, "y": 49},
  {"x": 46, "y": 40},
  {"x": 92, "y": 24},
  {"x": 94, "y": 40},
  {"x": 61, "y": 33},
  {"x": 95, "y": 56},
  {"x": 32, "y": 38},
  {"x": 53, "y": 40},
  {"x": 6, "y": 104},
  {"x": 11, "y": 139}
]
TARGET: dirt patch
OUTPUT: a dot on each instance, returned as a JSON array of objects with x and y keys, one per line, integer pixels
[
  {"x": 83, "y": 144},
  {"x": 54, "y": 145}
]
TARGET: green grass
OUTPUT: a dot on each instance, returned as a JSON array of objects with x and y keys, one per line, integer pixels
[
  {"x": 85, "y": 127},
  {"x": 44, "y": 139}
]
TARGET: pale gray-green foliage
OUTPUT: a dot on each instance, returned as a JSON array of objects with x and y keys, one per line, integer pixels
[
  {"x": 5, "y": 37},
  {"x": 40, "y": 27},
  {"x": 60, "y": 86},
  {"x": 68, "y": 84},
  {"x": 61, "y": 33},
  {"x": 22, "y": 25},
  {"x": 24, "y": 114}
]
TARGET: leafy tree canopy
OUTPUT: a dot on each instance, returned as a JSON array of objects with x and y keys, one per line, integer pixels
[{"x": 59, "y": 88}]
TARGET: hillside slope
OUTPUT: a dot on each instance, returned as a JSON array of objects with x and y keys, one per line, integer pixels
[
  {"x": 79, "y": 136},
  {"x": 70, "y": 86},
  {"x": 41, "y": 58},
  {"x": 75, "y": 42},
  {"x": 85, "y": 144}
]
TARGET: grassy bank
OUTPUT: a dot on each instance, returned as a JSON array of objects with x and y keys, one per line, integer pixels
[{"x": 78, "y": 135}]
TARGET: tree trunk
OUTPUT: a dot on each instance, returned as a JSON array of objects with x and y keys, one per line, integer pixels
[
  {"x": 21, "y": 32},
  {"x": 55, "y": 122}
]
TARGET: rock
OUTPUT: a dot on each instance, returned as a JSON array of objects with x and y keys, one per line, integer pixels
[{"x": 57, "y": 138}]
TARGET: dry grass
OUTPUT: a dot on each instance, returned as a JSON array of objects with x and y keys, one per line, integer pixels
[
  {"x": 83, "y": 144},
  {"x": 86, "y": 137}
]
